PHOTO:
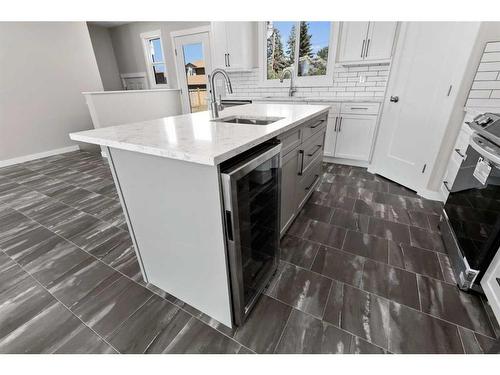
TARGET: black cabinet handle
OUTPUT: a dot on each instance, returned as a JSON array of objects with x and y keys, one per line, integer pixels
[
  {"x": 336, "y": 121},
  {"x": 228, "y": 61},
  {"x": 314, "y": 181},
  {"x": 340, "y": 124},
  {"x": 445, "y": 183},
  {"x": 362, "y": 48},
  {"x": 301, "y": 152},
  {"x": 317, "y": 124},
  {"x": 367, "y": 47},
  {"x": 318, "y": 147},
  {"x": 457, "y": 150}
]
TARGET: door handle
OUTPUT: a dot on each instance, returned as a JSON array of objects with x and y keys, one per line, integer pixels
[
  {"x": 336, "y": 121},
  {"x": 340, "y": 124},
  {"x": 457, "y": 150},
  {"x": 367, "y": 47},
  {"x": 228, "y": 61},
  {"x": 394, "y": 99},
  {"x": 225, "y": 59},
  {"x": 363, "y": 48}
]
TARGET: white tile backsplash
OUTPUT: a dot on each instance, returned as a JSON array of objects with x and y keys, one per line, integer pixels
[
  {"x": 346, "y": 83},
  {"x": 485, "y": 90}
]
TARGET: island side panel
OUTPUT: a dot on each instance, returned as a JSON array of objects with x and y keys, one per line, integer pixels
[{"x": 175, "y": 214}]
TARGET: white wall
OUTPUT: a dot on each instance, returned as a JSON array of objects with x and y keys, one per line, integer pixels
[
  {"x": 128, "y": 49},
  {"x": 44, "y": 68},
  {"x": 488, "y": 31},
  {"x": 105, "y": 57}
]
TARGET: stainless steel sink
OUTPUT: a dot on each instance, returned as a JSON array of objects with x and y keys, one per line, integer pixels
[{"x": 249, "y": 120}]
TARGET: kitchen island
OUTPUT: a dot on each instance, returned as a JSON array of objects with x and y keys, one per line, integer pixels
[{"x": 168, "y": 176}]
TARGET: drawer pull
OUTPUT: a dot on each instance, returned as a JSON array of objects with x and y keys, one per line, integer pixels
[
  {"x": 457, "y": 150},
  {"x": 317, "y": 124},
  {"x": 301, "y": 152},
  {"x": 318, "y": 147},
  {"x": 340, "y": 124},
  {"x": 362, "y": 108},
  {"x": 445, "y": 183},
  {"x": 314, "y": 181},
  {"x": 336, "y": 121}
]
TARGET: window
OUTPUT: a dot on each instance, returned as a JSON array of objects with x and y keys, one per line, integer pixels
[
  {"x": 155, "y": 59},
  {"x": 312, "y": 42}
]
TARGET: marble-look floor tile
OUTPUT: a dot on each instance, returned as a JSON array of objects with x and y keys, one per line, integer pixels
[
  {"x": 434, "y": 221},
  {"x": 339, "y": 265},
  {"x": 13, "y": 223},
  {"x": 85, "y": 342},
  {"x": 44, "y": 333},
  {"x": 447, "y": 302},
  {"x": 366, "y": 245},
  {"x": 491, "y": 315},
  {"x": 298, "y": 251},
  {"x": 426, "y": 239},
  {"x": 18, "y": 247},
  {"x": 325, "y": 234},
  {"x": 151, "y": 328},
  {"x": 419, "y": 219},
  {"x": 360, "y": 346},
  {"x": 350, "y": 220},
  {"x": 298, "y": 226},
  {"x": 11, "y": 275},
  {"x": 389, "y": 230},
  {"x": 390, "y": 282},
  {"x": 82, "y": 282},
  {"x": 305, "y": 290},
  {"x": 475, "y": 343},
  {"x": 51, "y": 259},
  {"x": 112, "y": 306},
  {"x": 424, "y": 262},
  {"x": 263, "y": 328},
  {"x": 198, "y": 338},
  {"x": 360, "y": 313},
  {"x": 20, "y": 303},
  {"x": 445, "y": 264},
  {"x": 414, "y": 332},
  {"x": 317, "y": 212},
  {"x": 306, "y": 334}
]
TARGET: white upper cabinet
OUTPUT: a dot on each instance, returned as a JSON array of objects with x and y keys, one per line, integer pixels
[
  {"x": 234, "y": 45},
  {"x": 366, "y": 41}
]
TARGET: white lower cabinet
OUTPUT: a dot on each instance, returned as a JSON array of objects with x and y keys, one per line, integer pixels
[
  {"x": 355, "y": 136},
  {"x": 350, "y": 131}
]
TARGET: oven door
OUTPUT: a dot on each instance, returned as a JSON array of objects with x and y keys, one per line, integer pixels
[
  {"x": 251, "y": 192},
  {"x": 471, "y": 225}
]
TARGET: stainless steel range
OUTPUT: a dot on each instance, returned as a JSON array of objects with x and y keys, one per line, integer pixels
[{"x": 471, "y": 214}]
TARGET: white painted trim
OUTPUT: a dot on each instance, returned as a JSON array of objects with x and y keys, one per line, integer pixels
[
  {"x": 355, "y": 163},
  {"x": 44, "y": 154},
  {"x": 133, "y": 75},
  {"x": 125, "y": 91},
  {"x": 145, "y": 37},
  {"x": 318, "y": 81},
  {"x": 193, "y": 30}
]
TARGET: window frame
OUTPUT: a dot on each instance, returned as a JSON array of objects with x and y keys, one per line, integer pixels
[
  {"x": 145, "y": 39},
  {"x": 307, "y": 81}
]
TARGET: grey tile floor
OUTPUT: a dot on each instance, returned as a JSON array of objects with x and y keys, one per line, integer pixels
[{"x": 363, "y": 270}]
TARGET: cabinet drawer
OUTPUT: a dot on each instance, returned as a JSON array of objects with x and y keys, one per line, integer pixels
[
  {"x": 360, "y": 108},
  {"x": 313, "y": 126},
  {"x": 308, "y": 182},
  {"x": 290, "y": 140},
  {"x": 310, "y": 151}
]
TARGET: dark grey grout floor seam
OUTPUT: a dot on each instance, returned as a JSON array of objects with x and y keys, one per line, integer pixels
[
  {"x": 385, "y": 298},
  {"x": 374, "y": 260},
  {"x": 59, "y": 301}
]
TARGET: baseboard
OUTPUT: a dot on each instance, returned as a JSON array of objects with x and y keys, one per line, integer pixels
[
  {"x": 355, "y": 163},
  {"x": 22, "y": 159},
  {"x": 432, "y": 195}
]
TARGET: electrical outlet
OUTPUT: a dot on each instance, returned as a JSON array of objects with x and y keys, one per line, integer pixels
[{"x": 362, "y": 79}]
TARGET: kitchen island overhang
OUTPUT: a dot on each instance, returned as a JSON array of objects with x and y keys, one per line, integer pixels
[{"x": 167, "y": 173}]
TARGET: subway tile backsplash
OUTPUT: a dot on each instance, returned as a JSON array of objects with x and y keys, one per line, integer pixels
[
  {"x": 354, "y": 81},
  {"x": 485, "y": 90}
]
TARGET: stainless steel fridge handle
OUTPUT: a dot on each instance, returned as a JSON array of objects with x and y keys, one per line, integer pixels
[{"x": 251, "y": 164}]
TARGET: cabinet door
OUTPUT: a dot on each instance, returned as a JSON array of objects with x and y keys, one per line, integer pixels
[
  {"x": 355, "y": 137},
  {"x": 330, "y": 137},
  {"x": 219, "y": 45},
  {"x": 380, "y": 40},
  {"x": 241, "y": 45},
  {"x": 352, "y": 41},
  {"x": 289, "y": 177}
]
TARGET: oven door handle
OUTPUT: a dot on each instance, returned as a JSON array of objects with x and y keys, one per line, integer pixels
[{"x": 479, "y": 144}]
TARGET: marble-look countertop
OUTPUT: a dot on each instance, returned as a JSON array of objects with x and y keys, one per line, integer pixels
[
  {"x": 319, "y": 99},
  {"x": 196, "y": 138}
]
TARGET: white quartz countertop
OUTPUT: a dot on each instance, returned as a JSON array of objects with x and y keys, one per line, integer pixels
[{"x": 195, "y": 138}]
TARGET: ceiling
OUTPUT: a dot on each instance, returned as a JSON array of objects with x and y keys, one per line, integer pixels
[{"x": 108, "y": 24}]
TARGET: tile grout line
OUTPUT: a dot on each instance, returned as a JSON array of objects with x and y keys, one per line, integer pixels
[
  {"x": 59, "y": 301},
  {"x": 283, "y": 331}
]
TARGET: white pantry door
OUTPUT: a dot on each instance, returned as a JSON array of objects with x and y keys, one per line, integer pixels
[{"x": 413, "y": 124}]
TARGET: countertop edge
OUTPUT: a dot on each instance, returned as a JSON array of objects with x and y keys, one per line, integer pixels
[{"x": 193, "y": 157}]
